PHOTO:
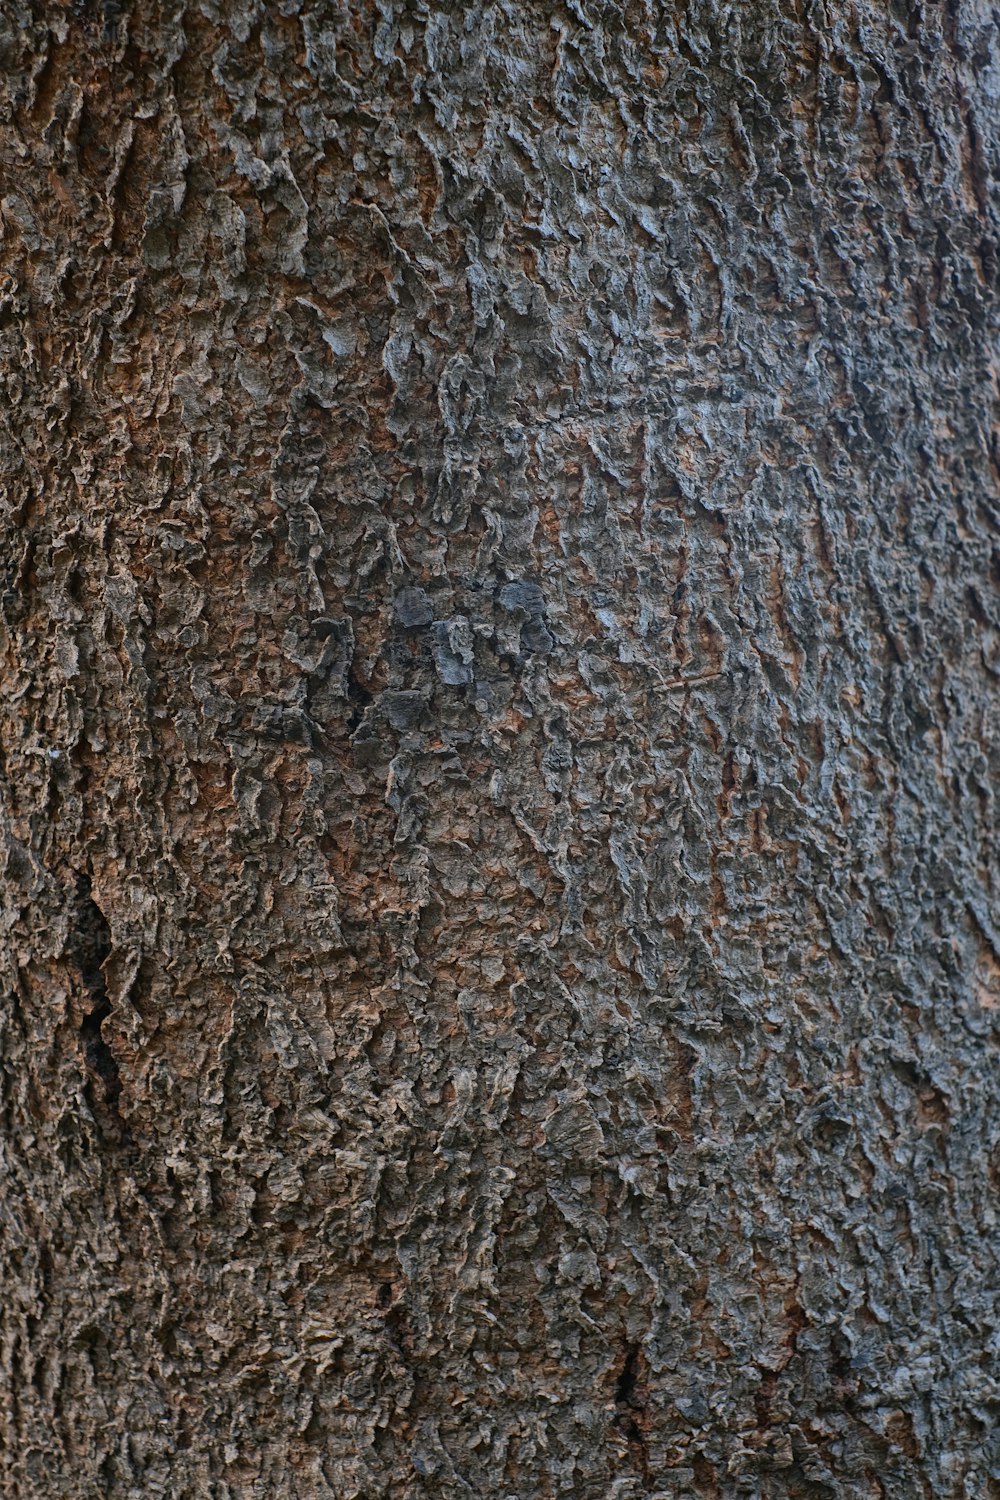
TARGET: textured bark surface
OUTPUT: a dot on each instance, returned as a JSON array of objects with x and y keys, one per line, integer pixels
[{"x": 501, "y": 973}]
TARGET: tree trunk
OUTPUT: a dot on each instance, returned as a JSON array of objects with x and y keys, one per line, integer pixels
[{"x": 501, "y": 960}]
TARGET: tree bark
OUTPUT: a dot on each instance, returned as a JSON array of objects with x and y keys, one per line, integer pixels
[{"x": 501, "y": 960}]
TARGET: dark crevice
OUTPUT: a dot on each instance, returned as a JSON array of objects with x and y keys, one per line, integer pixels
[
  {"x": 625, "y": 1387},
  {"x": 88, "y": 948},
  {"x": 100, "y": 1058},
  {"x": 630, "y": 1407},
  {"x": 360, "y": 697}
]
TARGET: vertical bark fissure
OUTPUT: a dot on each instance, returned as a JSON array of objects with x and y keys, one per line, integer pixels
[{"x": 90, "y": 946}]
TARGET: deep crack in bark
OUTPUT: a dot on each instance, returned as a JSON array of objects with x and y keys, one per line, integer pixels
[{"x": 89, "y": 947}]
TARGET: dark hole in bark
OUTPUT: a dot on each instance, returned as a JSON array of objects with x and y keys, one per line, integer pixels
[
  {"x": 100, "y": 1058},
  {"x": 360, "y": 697},
  {"x": 625, "y": 1388},
  {"x": 630, "y": 1402},
  {"x": 89, "y": 946}
]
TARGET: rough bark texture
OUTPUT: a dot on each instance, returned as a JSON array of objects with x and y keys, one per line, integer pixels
[{"x": 499, "y": 728}]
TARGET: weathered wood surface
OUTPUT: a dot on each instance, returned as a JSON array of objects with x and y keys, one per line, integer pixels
[{"x": 501, "y": 977}]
